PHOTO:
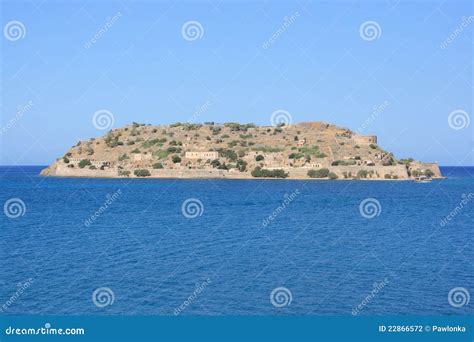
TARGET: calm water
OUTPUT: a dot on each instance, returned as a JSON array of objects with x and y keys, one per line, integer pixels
[{"x": 318, "y": 245}]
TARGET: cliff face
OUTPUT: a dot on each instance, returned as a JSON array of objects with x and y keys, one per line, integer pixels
[{"x": 232, "y": 150}]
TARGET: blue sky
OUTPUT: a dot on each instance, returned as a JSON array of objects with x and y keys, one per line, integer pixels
[{"x": 402, "y": 85}]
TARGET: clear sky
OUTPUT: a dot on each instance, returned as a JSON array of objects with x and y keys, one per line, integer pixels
[{"x": 400, "y": 78}]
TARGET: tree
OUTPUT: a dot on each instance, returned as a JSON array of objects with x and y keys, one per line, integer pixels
[
  {"x": 277, "y": 173},
  {"x": 157, "y": 166},
  {"x": 321, "y": 173},
  {"x": 84, "y": 162},
  {"x": 241, "y": 165},
  {"x": 362, "y": 174},
  {"x": 176, "y": 159},
  {"x": 142, "y": 173},
  {"x": 429, "y": 173},
  {"x": 259, "y": 157}
]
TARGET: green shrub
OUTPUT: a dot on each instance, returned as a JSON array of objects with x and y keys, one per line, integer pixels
[
  {"x": 215, "y": 163},
  {"x": 332, "y": 175},
  {"x": 320, "y": 173},
  {"x": 142, "y": 173},
  {"x": 241, "y": 165},
  {"x": 343, "y": 162},
  {"x": 136, "y": 150},
  {"x": 84, "y": 162},
  {"x": 428, "y": 173},
  {"x": 160, "y": 154},
  {"x": 123, "y": 157},
  {"x": 157, "y": 166},
  {"x": 259, "y": 157},
  {"x": 176, "y": 159},
  {"x": 373, "y": 146},
  {"x": 229, "y": 154},
  {"x": 362, "y": 174},
  {"x": 387, "y": 176},
  {"x": 125, "y": 173},
  {"x": 296, "y": 155},
  {"x": 277, "y": 173},
  {"x": 66, "y": 160}
]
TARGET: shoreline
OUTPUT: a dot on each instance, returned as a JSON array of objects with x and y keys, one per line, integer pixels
[{"x": 242, "y": 178}]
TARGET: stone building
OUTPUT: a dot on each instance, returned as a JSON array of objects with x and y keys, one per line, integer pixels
[
  {"x": 202, "y": 155},
  {"x": 365, "y": 139}
]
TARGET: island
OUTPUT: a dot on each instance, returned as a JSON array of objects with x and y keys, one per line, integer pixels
[{"x": 307, "y": 150}]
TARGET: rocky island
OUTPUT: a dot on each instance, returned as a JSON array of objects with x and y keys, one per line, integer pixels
[{"x": 233, "y": 150}]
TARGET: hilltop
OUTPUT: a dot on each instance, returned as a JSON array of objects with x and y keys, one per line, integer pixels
[{"x": 233, "y": 150}]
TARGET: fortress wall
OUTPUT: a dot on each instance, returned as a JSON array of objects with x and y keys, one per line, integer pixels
[
  {"x": 300, "y": 173},
  {"x": 398, "y": 170},
  {"x": 64, "y": 171}
]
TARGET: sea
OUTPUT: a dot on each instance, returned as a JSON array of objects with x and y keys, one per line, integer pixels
[{"x": 77, "y": 246}]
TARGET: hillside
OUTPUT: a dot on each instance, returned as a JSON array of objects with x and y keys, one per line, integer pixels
[{"x": 232, "y": 150}]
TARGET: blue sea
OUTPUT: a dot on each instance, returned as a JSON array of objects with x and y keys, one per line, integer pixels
[{"x": 235, "y": 247}]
